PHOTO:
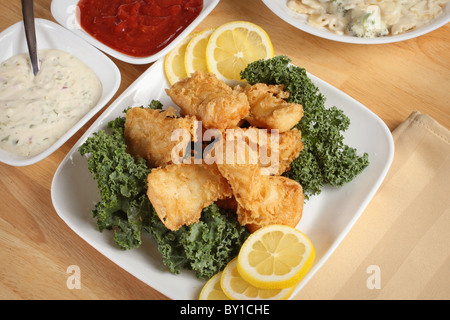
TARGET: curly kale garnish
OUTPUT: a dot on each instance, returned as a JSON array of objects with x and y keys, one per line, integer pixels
[
  {"x": 121, "y": 181},
  {"x": 325, "y": 159},
  {"x": 205, "y": 247}
]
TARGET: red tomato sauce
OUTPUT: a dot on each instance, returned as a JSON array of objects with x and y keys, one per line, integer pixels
[{"x": 138, "y": 28}]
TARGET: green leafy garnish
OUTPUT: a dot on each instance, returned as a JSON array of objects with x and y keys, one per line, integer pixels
[
  {"x": 121, "y": 181},
  {"x": 325, "y": 159},
  {"x": 205, "y": 247}
]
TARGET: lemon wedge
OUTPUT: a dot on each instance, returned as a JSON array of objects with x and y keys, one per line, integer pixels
[
  {"x": 195, "y": 56},
  {"x": 236, "y": 288},
  {"x": 212, "y": 289},
  {"x": 232, "y": 46},
  {"x": 174, "y": 67},
  {"x": 275, "y": 257}
]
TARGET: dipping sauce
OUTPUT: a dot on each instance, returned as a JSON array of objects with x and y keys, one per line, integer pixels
[
  {"x": 368, "y": 18},
  {"x": 137, "y": 28},
  {"x": 35, "y": 111}
]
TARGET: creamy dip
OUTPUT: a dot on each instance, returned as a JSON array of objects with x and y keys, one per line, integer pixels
[
  {"x": 369, "y": 18},
  {"x": 35, "y": 111}
]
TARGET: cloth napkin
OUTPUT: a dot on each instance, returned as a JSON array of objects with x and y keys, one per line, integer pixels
[{"x": 400, "y": 246}]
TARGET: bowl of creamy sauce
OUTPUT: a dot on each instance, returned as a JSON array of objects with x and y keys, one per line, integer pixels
[
  {"x": 35, "y": 111},
  {"x": 38, "y": 114},
  {"x": 363, "y": 21},
  {"x": 369, "y": 18}
]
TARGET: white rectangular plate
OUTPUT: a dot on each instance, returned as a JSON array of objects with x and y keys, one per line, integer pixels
[
  {"x": 327, "y": 218},
  {"x": 50, "y": 35},
  {"x": 65, "y": 12}
]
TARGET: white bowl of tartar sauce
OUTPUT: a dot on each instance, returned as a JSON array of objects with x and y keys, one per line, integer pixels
[{"x": 40, "y": 113}]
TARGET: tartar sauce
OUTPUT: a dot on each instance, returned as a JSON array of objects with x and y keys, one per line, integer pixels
[{"x": 35, "y": 111}]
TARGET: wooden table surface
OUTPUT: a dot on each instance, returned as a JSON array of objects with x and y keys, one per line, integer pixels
[{"x": 37, "y": 247}]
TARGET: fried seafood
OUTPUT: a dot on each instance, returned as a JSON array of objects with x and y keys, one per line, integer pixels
[
  {"x": 261, "y": 199},
  {"x": 277, "y": 150},
  {"x": 212, "y": 101},
  {"x": 273, "y": 151},
  {"x": 179, "y": 192},
  {"x": 240, "y": 170},
  {"x": 148, "y": 134},
  {"x": 290, "y": 147},
  {"x": 269, "y": 109}
]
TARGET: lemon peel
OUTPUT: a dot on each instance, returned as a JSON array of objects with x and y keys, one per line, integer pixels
[
  {"x": 195, "y": 55},
  {"x": 212, "y": 289},
  {"x": 275, "y": 257},
  {"x": 236, "y": 288},
  {"x": 232, "y": 46},
  {"x": 174, "y": 67}
]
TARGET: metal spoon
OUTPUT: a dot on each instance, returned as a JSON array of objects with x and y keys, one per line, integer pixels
[{"x": 30, "y": 33}]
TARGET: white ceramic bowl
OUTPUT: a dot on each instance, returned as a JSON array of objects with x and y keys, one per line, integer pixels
[
  {"x": 299, "y": 21},
  {"x": 52, "y": 36},
  {"x": 64, "y": 11}
]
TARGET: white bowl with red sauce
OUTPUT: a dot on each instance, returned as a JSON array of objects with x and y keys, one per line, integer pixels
[{"x": 67, "y": 13}]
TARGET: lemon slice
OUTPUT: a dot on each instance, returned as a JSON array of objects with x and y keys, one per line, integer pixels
[
  {"x": 232, "y": 46},
  {"x": 275, "y": 256},
  {"x": 236, "y": 288},
  {"x": 195, "y": 56},
  {"x": 212, "y": 289},
  {"x": 174, "y": 62}
]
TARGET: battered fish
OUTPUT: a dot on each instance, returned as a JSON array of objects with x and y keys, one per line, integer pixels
[
  {"x": 290, "y": 147},
  {"x": 179, "y": 192},
  {"x": 273, "y": 151},
  {"x": 261, "y": 199},
  {"x": 269, "y": 109},
  {"x": 148, "y": 134},
  {"x": 212, "y": 101}
]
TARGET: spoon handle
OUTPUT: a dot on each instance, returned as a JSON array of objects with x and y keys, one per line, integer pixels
[{"x": 30, "y": 33}]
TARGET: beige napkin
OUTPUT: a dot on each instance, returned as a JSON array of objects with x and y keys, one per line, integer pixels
[{"x": 400, "y": 246}]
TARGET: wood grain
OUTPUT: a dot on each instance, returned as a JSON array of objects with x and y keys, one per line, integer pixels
[{"x": 37, "y": 247}]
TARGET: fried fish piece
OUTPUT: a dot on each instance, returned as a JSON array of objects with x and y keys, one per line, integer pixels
[
  {"x": 261, "y": 199},
  {"x": 281, "y": 203},
  {"x": 276, "y": 150},
  {"x": 290, "y": 146},
  {"x": 148, "y": 134},
  {"x": 269, "y": 109},
  {"x": 179, "y": 192},
  {"x": 273, "y": 151},
  {"x": 212, "y": 101}
]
